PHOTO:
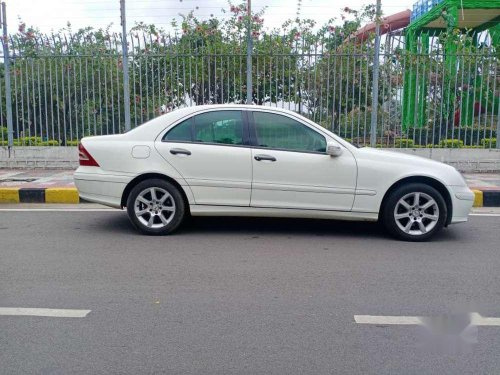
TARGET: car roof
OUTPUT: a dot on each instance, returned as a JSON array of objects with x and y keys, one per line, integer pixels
[
  {"x": 152, "y": 129},
  {"x": 158, "y": 124},
  {"x": 252, "y": 107}
]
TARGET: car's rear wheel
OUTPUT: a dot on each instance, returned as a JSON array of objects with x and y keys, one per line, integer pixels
[
  {"x": 155, "y": 207},
  {"x": 414, "y": 212}
]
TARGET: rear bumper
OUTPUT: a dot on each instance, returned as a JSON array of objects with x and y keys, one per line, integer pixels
[
  {"x": 95, "y": 185},
  {"x": 462, "y": 199}
]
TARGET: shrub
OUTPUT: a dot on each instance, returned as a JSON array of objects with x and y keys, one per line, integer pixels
[
  {"x": 5, "y": 142},
  {"x": 475, "y": 135},
  {"x": 489, "y": 143},
  {"x": 3, "y": 133},
  {"x": 404, "y": 143},
  {"x": 50, "y": 142},
  {"x": 452, "y": 143},
  {"x": 29, "y": 141},
  {"x": 72, "y": 143}
]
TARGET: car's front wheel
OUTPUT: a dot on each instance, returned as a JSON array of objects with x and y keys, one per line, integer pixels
[
  {"x": 414, "y": 212},
  {"x": 155, "y": 207}
]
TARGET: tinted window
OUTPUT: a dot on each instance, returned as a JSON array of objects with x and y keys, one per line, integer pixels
[
  {"x": 181, "y": 132},
  {"x": 225, "y": 127},
  {"x": 281, "y": 132}
]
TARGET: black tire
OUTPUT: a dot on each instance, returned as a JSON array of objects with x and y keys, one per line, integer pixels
[
  {"x": 175, "y": 200},
  {"x": 391, "y": 204}
]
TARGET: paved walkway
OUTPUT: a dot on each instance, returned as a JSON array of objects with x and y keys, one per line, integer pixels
[
  {"x": 36, "y": 178},
  {"x": 483, "y": 181}
]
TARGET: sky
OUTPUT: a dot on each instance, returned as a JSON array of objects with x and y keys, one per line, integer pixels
[{"x": 51, "y": 15}]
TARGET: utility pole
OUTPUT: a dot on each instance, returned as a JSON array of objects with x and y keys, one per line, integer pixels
[
  {"x": 249, "y": 53},
  {"x": 498, "y": 127},
  {"x": 376, "y": 64},
  {"x": 8, "y": 93},
  {"x": 126, "y": 86}
]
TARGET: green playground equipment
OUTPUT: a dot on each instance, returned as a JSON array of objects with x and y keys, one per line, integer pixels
[{"x": 465, "y": 98}]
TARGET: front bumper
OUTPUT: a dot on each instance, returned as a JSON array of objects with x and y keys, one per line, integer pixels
[{"x": 462, "y": 199}]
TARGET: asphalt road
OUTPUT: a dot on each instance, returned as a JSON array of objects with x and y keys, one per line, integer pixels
[{"x": 238, "y": 296}]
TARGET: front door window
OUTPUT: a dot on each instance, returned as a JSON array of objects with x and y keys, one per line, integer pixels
[{"x": 283, "y": 133}]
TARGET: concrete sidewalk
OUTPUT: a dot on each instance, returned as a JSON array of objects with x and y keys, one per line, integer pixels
[
  {"x": 56, "y": 186},
  {"x": 37, "y": 186}
]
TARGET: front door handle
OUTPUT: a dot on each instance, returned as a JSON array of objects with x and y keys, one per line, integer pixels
[
  {"x": 182, "y": 151},
  {"x": 264, "y": 157}
]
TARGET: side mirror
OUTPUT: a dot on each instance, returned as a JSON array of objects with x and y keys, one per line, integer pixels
[{"x": 333, "y": 149}]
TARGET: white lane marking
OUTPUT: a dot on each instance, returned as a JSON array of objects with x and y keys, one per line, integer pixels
[
  {"x": 56, "y": 313},
  {"x": 477, "y": 320},
  {"x": 387, "y": 320},
  {"x": 490, "y": 215}
]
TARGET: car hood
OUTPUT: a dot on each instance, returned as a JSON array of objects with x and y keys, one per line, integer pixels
[
  {"x": 409, "y": 165},
  {"x": 397, "y": 156}
]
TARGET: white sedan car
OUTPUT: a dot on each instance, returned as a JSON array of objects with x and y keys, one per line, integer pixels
[{"x": 239, "y": 160}]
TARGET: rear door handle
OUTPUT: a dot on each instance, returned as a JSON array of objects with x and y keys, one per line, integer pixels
[
  {"x": 264, "y": 157},
  {"x": 182, "y": 151}
]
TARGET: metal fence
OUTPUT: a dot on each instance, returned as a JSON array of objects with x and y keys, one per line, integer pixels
[{"x": 64, "y": 87}]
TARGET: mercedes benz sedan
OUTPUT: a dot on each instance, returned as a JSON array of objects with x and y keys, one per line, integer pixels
[{"x": 240, "y": 160}]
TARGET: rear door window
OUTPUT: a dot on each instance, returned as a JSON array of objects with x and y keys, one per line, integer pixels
[
  {"x": 223, "y": 127},
  {"x": 219, "y": 127}
]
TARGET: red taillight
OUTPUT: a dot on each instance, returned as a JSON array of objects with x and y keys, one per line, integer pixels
[{"x": 85, "y": 158}]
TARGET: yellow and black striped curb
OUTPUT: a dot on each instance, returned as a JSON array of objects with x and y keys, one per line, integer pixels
[
  {"x": 486, "y": 198},
  {"x": 482, "y": 198},
  {"x": 39, "y": 195}
]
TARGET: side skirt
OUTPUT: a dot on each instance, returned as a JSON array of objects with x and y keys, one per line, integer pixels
[{"x": 207, "y": 210}]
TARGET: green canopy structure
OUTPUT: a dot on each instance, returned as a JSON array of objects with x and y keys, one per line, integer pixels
[{"x": 433, "y": 18}]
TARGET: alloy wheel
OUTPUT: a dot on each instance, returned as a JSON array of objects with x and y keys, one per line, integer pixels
[
  {"x": 154, "y": 207},
  {"x": 416, "y": 213}
]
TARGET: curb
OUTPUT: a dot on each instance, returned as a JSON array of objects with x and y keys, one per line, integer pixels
[
  {"x": 482, "y": 198},
  {"x": 478, "y": 198},
  {"x": 39, "y": 195},
  {"x": 491, "y": 198},
  {"x": 486, "y": 198}
]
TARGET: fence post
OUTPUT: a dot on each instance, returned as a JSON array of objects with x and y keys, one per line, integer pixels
[
  {"x": 376, "y": 63},
  {"x": 249, "y": 53},
  {"x": 498, "y": 127},
  {"x": 126, "y": 85},
  {"x": 8, "y": 92}
]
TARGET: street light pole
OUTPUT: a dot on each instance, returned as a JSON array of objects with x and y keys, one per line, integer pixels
[
  {"x": 8, "y": 93},
  {"x": 376, "y": 63},
  {"x": 126, "y": 85},
  {"x": 249, "y": 53}
]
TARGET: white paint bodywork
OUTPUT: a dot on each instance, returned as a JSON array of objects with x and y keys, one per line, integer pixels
[
  {"x": 216, "y": 174},
  {"x": 304, "y": 181},
  {"x": 226, "y": 180}
]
